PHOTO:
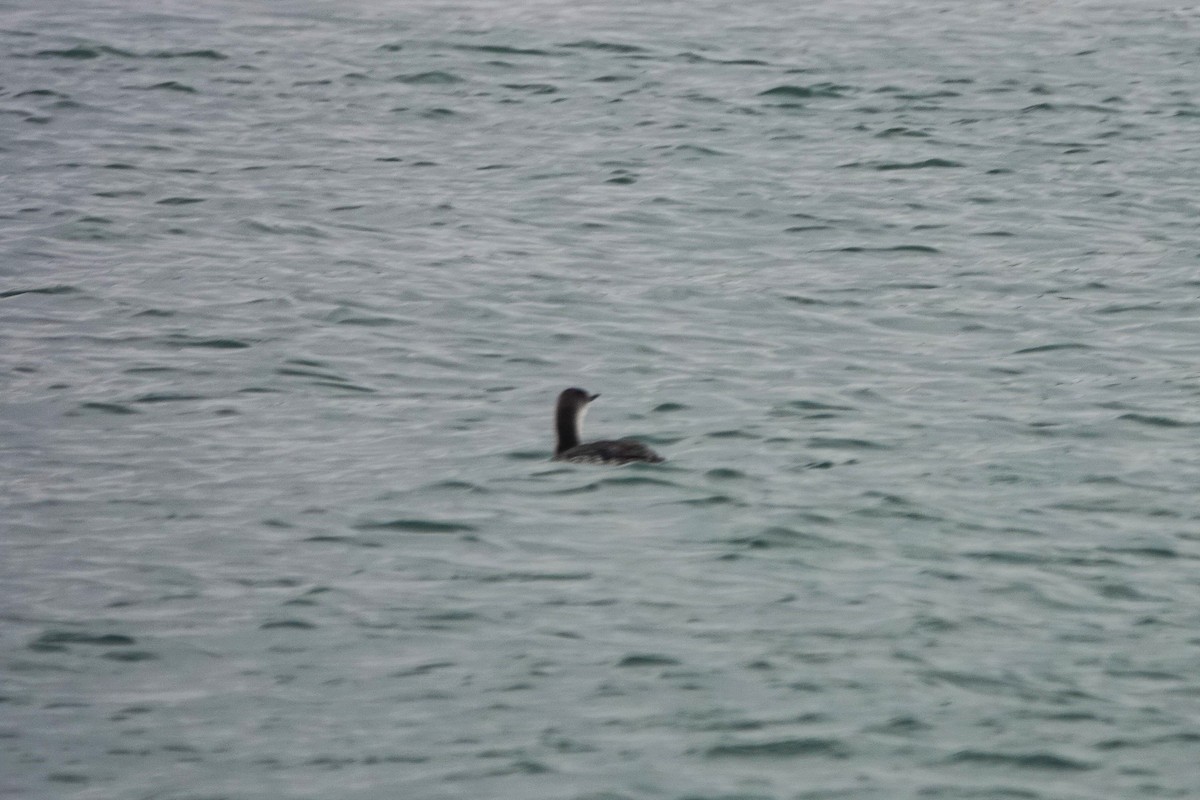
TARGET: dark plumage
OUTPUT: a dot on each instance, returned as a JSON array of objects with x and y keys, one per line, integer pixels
[{"x": 568, "y": 423}]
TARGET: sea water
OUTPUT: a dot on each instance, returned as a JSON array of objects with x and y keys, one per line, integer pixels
[{"x": 908, "y": 294}]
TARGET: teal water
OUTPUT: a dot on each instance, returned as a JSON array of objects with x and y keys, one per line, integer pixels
[{"x": 908, "y": 295}]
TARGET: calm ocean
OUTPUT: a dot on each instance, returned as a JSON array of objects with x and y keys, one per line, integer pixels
[{"x": 907, "y": 293}]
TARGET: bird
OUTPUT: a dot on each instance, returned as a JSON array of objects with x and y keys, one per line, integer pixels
[{"x": 568, "y": 424}]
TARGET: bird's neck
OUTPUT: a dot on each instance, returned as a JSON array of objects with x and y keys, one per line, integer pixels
[{"x": 569, "y": 423}]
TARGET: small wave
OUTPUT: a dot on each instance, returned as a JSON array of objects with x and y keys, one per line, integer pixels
[
  {"x": 731, "y": 434},
  {"x": 41, "y": 93},
  {"x": 56, "y": 289},
  {"x": 607, "y": 47},
  {"x": 713, "y": 500},
  {"x": 810, "y": 405},
  {"x": 695, "y": 149},
  {"x": 457, "y": 486},
  {"x": 502, "y": 50},
  {"x": 1006, "y": 556},
  {"x": 846, "y": 443},
  {"x": 1036, "y": 760},
  {"x": 353, "y": 541},
  {"x": 887, "y": 166},
  {"x": 803, "y": 300},
  {"x": 1046, "y": 348},
  {"x": 1144, "y": 552},
  {"x": 413, "y": 525},
  {"x": 129, "y": 655},
  {"x": 217, "y": 343},
  {"x": 779, "y": 536},
  {"x": 648, "y": 660},
  {"x": 1125, "y": 308},
  {"x": 171, "y": 86},
  {"x": 816, "y": 90},
  {"x": 1067, "y": 107},
  {"x": 725, "y": 474},
  {"x": 527, "y": 577},
  {"x": 85, "y": 52},
  {"x": 421, "y": 669},
  {"x": 632, "y": 479},
  {"x": 286, "y": 230},
  {"x": 1158, "y": 421},
  {"x": 167, "y": 397},
  {"x": 107, "y": 408},
  {"x": 325, "y": 378},
  {"x": 781, "y": 748},
  {"x": 911, "y": 248},
  {"x": 528, "y": 455},
  {"x": 59, "y": 640},
  {"x": 696, "y": 58},
  {"x": 207, "y": 55},
  {"x": 432, "y": 78},
  {"x": 904, "y": 725},
  {"x": 532, "y": 88},
  {"x": 288, "y": 624},
  {"x": 901, "y": 131}
]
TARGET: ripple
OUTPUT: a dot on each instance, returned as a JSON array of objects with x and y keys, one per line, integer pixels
[
  {"x": 731, "y": 434},
  {"x": 607, "y": 47},
  {"x": 502, "y": 50},
  {"x": 815, "y": 90},
  {"x": 782, "y": 748},
  {"x": 55, "y": 289},
  {"x": 80, "y": 52},
  {"x": 832, "y": 443},
  {"x": 1046, "y": 348},
  {"x": 288, "y": 624},
  {"x": 352, "y": 541},
  {"x": 530, "y": 577},
  {"x": 887, "y": 166},
  {"x": 648, "y": 660},
  {"x": 59, "y": 640},
  {"x": 170, "y": 86},
  {"x": 415, "y": 525},
  {"x": 322, "y": 378},
  {"x": 167, "y": 397},
  {"x": 205, "y": 55},
  {"x": 1035, "y": 760},
  {"x": 532, "y": 88},
  {"x": 1155, "y": 421},
  {"x": 130, "y": 656},
  {"x": 432, "y": 78},
  {"x": 217, "y": 343},
  {"x": 902, "y": 131},
  {"x": 698, "y": 58},
  {"x": 808, "y": 409},
  {"x": 713, "y": 500},
  {"x": 725, "y": 474},
  {"x": 107, "y": 408},
  {"x": 779, "y": 536}
]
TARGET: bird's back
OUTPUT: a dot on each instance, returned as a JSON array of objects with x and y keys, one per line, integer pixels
[{"x": 610, "y": 451}]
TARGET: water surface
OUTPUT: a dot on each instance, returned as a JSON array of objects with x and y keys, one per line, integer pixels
[{"x": 906, "y": 293}]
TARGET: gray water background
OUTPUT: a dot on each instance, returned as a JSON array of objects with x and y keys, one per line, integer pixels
[{"x": 908, "y": 294}]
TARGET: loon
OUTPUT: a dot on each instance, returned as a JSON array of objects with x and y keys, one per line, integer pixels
[{"x": 568, "y": 422}]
